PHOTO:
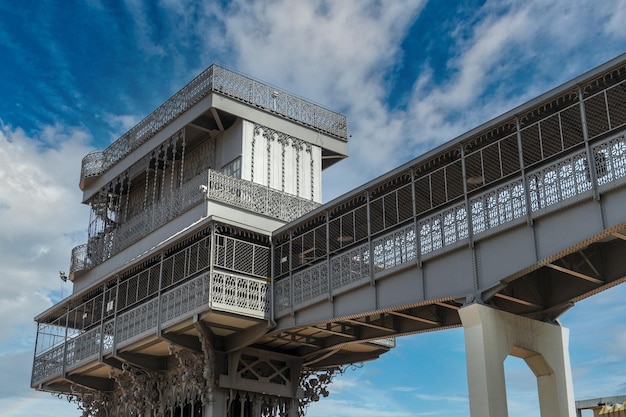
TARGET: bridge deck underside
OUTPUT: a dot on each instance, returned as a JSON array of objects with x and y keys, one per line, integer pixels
[{"x": 543, "y": 291}]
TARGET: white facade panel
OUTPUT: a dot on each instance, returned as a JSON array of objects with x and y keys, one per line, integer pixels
[{"x": 281, "y": 162}]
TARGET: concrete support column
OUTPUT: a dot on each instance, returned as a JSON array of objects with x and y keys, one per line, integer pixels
[{"x": 490, "y": 336}]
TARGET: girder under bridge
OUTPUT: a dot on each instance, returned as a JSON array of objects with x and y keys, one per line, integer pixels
[{"x": 528, "y": 217}]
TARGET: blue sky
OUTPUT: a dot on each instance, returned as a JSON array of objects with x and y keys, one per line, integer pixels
[{"x": 408, "y": 74}]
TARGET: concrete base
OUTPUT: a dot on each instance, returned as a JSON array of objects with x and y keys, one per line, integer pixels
[{"x": 490, "y": 336}]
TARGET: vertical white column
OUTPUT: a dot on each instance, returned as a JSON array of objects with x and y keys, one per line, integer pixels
[
  {"x": 490, "y": 336},
  {"x": 485, "y": 362}
]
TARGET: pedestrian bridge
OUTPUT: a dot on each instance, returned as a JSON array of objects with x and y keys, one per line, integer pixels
[{"x": 526, "y": 213}]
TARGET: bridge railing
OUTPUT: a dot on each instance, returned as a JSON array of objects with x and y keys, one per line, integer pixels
[{"x": 554, "y": 186}]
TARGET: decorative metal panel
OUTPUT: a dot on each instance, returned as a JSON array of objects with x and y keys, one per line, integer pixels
[{"x": 229, "y": 83}]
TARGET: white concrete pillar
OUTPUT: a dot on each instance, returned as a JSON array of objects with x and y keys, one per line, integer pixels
[{"x": 490, "y": 336}]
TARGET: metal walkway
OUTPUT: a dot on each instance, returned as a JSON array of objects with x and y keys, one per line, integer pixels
[{"x": 526, "y": 213}]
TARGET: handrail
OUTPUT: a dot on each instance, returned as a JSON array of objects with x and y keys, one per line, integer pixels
[
  {"x": 550, "y": 187},
  {"x": 217, "y": 79},
  {"x": 217, "y": 291},
  {"x": 219, "y": 187}
]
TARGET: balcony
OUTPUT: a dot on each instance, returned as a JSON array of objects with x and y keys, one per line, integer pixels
[
  {"x": 212, "y": 185},
  {"x": 219, "y": 291},
  {"x": 216, "y": 79}
]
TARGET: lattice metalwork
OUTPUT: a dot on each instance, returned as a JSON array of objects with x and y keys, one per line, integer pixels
[
  {"x": 394, "y": 249},
  {"x": 282, "y": 296},
  {"x": 47, "y": 365},
  {"x": 350, "y": 268},
  {"x": 137, "y": 321},
  {"x": 309, "y": 284},
  {"x": 489, "y": 164},
  {"x": 498, "y": 206},
  {"x": 239, "y": 294},
  {"x": 610, "y": 161},
  {"x": 240, "y": 256},
  {"x": 258, "y": 198},
  {"x": 557, "y": 182},
  {"x": 547, "y": 188},
  {"x": 443, "y": 229},
  {"x": 108, "y": 336},
  {"x": 80, "y": 260},
  {"x": 178, "y": 302},
  {"x": 84, "y": 346},
  {"x": 220, "y": 80},
  {"x": 605, "y": 109}
]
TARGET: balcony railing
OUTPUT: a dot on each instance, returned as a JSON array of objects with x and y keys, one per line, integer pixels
[
  {"x": 257, "y": 198},
  {"x": 229, "y": 83},
  {"x": 218, "y": 291},
  {"x": 219, "y": 187}
]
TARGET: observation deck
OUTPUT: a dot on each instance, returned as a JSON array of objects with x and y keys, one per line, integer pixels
[{"x": 219, "y": 80}]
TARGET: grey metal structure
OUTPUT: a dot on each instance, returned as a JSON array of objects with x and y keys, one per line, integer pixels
[
  {"x": 213, "y": 285},
  {"x": 596, "y": 404}
]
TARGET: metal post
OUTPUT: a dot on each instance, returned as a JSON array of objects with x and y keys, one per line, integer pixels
[
  {"x": 101, "y": 348},
  {"x": 117, "y": 293},
  {"x": 328, "y": 266},
  {"x": 211, "y": 264},
  {"x": 291, "y": 272},
  {"x": 159, "y": 295},
  {"x": 520, "y": 152},
  {"x": 369, "y": 238},
  {"x": 418, "y": 243},
  {"x": 67, "y": 321},
  {"x": 468, "y": 209},
  {"x": 591, "y": 163},
  {"x": 272, "y": 275}
]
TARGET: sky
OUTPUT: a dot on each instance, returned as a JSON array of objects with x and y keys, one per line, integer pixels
[{"x": 409, "y": 74}]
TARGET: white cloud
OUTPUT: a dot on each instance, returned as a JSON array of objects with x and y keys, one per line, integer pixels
[
  {"x": 144, "y": 29},
  {"x": 336, "y": 53},
  {"x": 617, "y": 16},
  {"x": 41, "y": 218},
  {"x": 120, "y": 123}
]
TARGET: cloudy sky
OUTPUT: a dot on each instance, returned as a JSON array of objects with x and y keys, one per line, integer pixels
[{"x": 409, "y": 74}]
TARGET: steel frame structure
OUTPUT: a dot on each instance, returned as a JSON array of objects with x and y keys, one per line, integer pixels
[{"x": 265, "y": 303}]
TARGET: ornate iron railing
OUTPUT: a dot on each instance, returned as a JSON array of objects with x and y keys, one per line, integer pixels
[
  {"x": 219, "y": 187},
  {"x": 217, "y": 291},
  {"x": 220, "y": 80},
  {"x": 48, "y": 364},
  {"x": 80, "y": 260},
  {"x": 548, "y": 188},
  {"x": 257, "y": 198}
]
